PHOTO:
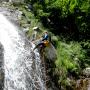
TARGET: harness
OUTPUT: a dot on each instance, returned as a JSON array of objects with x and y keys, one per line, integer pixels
[{"x": 46, "y": 43}]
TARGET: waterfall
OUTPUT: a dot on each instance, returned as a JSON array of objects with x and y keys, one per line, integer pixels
[{"x": 23, "y": 69}]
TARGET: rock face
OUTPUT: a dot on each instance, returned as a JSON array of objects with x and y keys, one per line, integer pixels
[
  {"x": 86, "y": 72},
  {"x": 15, "y": 1},
  {"x": 1, "y": 68},
  {"x": 12, "y": 14},
  {"x": 83, "y": 84},
  {"x": 4, "y": 0}
]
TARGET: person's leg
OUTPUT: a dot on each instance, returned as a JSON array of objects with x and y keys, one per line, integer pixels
[{"x": 40, "y": 44}]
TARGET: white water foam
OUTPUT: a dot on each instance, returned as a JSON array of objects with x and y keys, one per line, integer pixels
[{"x": 18, "y": 60}]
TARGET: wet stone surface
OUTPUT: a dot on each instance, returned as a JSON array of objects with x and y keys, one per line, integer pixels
[
  {"x": 1, "y": 68},
  {"x": 12, "y": 14}
]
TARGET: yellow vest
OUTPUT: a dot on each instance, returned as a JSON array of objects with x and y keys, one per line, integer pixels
[{"x": 46, "y": 43}]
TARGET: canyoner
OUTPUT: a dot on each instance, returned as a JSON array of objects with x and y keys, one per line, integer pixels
[
  {"x": 45, "y": 47},
  {"x": 42, "y": 45},
  {"x": 42, "y": 42}
]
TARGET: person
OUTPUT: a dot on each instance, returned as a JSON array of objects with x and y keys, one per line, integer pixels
[
  {"x": 44, "y": 42},
  {"x": 45, "y": 36}
]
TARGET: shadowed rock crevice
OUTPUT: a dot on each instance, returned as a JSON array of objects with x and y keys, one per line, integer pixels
[{"x": 1, "y": 67}]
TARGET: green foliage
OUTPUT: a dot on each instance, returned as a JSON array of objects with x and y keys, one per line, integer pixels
[
  {"x": 70, "y": 17},
  {"x": 85, "y": 5},
  {"x": 73, "y": 4},
  {"x": 69, "y": 59},
  {"x": 86, "y": 47},
  {"x": 67, "y": 6},
  {"x": 58, "y": 14}
]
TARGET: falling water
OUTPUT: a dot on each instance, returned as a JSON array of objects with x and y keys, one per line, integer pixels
[{"x": 23, "y": 70}]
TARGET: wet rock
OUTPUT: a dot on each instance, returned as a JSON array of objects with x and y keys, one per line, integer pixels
[
  {"x": 16, "y": 1},
  {"x": 29, "y": 7},
  {"x": 86, "y": 72},
  {"x": 83, "y": 84},
  {"x": 50, "y": 52},
  {"x": 12, "y": 14},
  {"x": 4, "y": 0},
  {"x": 26, "y": 29},
  {"x": 1, "y": 68}
]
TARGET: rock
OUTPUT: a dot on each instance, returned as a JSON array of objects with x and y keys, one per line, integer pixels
[
  {"x": 26, "y": 29},
  {"x": 12, "y": 14},
  {"x": 4, "y": 0},
  {"x": 83, "y": 84},
  {"x": 86, "y": 72},
  {"x": 36, "y": 28},
  {"x": 1, "y": 68},
  {"x": 50, "y": 52},
  {"x": 1, "y": 54},
  {"x": 16, "y": 1}
]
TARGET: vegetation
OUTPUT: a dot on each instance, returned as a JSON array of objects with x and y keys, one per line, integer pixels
[
  {"x": 68, "y": 64},
  {"x": 70, "y": 17},
  {"x": 69, "y": 22}
]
